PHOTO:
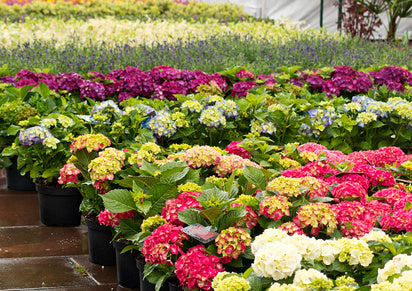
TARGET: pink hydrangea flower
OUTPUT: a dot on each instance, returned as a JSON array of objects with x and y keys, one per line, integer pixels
[
  {"x": 250, "y": 220},
  {"x": 401, "y": 203},
  {"x": 348, "y": 190},
  {"x": 201, "y": 156},
  {"x": 197, "y": 269},
  {"x": 400, "y": 220},
  {"x": 356, "y": 228},
  {"x": 233, "y": 148},
  {"x": 360, "y": 179},
  {"x": 68, "y": 173},
  {"x": 391, "y": 195},
  {"x": 317, "y": 216},
  {"x": 184, "y": 201},
  {"x": 109, "y": 218},
  {"x": 275, "y": 207},
  {"x": 232, "y": 242},
  {"x": 291, "y": 228},
  {"x": 347, "y": 211},
  {"x": 91, "y": 142},
  {"x": 165, "y": 241}
]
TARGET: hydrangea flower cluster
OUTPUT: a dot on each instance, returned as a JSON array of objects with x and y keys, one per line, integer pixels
[
  {"x": 260, "y": 127},
  {"x": 109, "y": 162},
  {"x": 230, "y": 282},
  {"x": 109, "y": 218},
  {"x": 165, "y": 241},
  {"x": 394, "y": 266},
  {"x": 249, "y": 220},
  {"x": 68, "y": 174},
  {"x": 232, "y": 163},
  {"x": 91, "y": 142},
  {"x": 228, "y": 108},
  {"x": 232, "y": 242},
  {"x": 196, "y": 268},
  {"x": 317, "y": 216},
  {"x": 233, "y": 148},
  {"x": 152, "y": 222},
  {"x": 201, "y": 156},
  {"x": 212, "y": 117},
  {"x": 184, "y": 201},
  {"x": 312, "y": 279},
  {"x": 162, "y": 124},
  {"x": 349, "y": 190},
  {"x": 192, "y": 106},
  {"x": 34, "y": 135},
  {"x": 275, "y": 207}
]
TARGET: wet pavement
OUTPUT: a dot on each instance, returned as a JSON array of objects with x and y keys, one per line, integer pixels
[{"x": 38, "y": 257}]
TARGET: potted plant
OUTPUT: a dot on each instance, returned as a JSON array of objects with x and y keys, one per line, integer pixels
[{"x": 42, "y": 148}]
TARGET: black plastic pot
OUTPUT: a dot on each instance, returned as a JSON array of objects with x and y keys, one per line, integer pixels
[
  {"x": 16, "y": 181},
  {"x": 59, "y": 206},
  {"x": 127, "y": 272},
  {"x": 101, "y": 250},
  {"x": 173, "y": 286},
  {"x": 144, "y": 284}
]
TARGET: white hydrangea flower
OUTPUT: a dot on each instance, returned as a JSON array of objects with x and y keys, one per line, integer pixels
[
  {"x": 394, "y": 266},
  {"x": 276, "y": 260}
]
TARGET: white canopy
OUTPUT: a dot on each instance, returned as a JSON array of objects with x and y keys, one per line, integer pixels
[{"x": 307, "y": 12}]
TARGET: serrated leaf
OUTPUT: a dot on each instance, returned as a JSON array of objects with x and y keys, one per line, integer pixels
[
  {"x": 13, "y": 129},
  {"x": 230, "y": 217},
  {"x": 159, "y": 194},
  {"x": 118, "y": 201},
  {"x": 211, "y": 213},
  {"x": 190, "y": 217},
  {"x": 149, "y": 168},
  {"x": 177, "y": 175},
  {"x": 130, "y": 229},
  {"x": 255, "y": 176}
]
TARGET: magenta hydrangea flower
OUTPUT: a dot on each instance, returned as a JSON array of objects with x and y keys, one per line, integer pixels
[
  {"x": 197, "y": 269},
  {"x": 184, "y": 201},
  {"x": 68, "y": 174},
  {"x": 349, "y": 190},
  {"x": 233, "y": 148}
]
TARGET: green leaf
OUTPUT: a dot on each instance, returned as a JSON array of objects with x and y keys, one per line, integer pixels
[
  {"x": 130, "y": 229},
  {"x": 13, "y": 129},
  {"x": 175, "y": 175},
  {"x": 51, "y": 172},
  {"x": 147, "y": 180},
  {"x": 159, "y": 194},
  {"x": 118, "y": 201},
  {"x": 211, "y": 213},
  {"x": 229, "y": 218},
  {"x": 149, "y": 168},
  {"x": 190, "y": 217},
  {"x": 43, "y": 89},
  {"x": 255, "y": 176},
  {"x": 321, "y": 199}
]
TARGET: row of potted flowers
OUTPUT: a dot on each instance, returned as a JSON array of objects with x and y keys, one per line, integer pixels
[
  {"x": 213, "y": 218},
  {"x": 212, "y": 202}
]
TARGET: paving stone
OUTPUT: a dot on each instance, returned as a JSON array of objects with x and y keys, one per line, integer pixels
[
  {"x": 40, "y": 273},
  {"x": 103, "y": 275},
  {"x": 42, "y": 241},
  {"x": 11, "y": 203}
]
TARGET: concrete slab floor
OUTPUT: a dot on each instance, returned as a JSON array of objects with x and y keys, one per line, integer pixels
[{"x": 38, "y": 257}]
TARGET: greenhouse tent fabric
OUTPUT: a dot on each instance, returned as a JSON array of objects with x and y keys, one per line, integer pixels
[{"x": 307, "y": 12}]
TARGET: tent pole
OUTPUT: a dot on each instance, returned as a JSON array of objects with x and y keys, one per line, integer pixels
[{"x": 321, "y": 13}]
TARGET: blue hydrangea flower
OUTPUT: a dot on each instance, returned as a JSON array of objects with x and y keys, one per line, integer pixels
[
  {"x": 229, "y": 108},
  {"x": 34, "y": 135},
  {"x": 309, "y": 131},
  {"x": 162, "y": 124}
]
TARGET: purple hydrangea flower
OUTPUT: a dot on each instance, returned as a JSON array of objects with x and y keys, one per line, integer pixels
[{"x": 34, "y": 135}]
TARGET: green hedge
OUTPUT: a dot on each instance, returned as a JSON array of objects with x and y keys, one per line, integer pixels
[{"x": 128, "y": 9}]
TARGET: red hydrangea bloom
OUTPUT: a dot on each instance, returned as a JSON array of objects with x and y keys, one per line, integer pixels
[
  {"x": 347, "y": 190},
  {"x": 240, "y": 89},
  {"x": 275, "y": 207},
  {"x": 356, "y": 228},
  {"x": 319, "y": 169},
  {"x": 197, "y": 269},
  {"x": 360, "y": 179},
  {"x": 68, "y": 173},
  {"x": 374, "y": 209},
  {"x": 391, "y": 195},
  {"x": 381, "y": 178},
  {"x": 312, "y": 147},
  {"x": 250, "y": 220},
  {"x": 232, "y": 242},
  {"x": 109, "y": 218},
  {"x": 243, "y": 74},
  {"x": 165, "y": 241},
  {"x": 184, "y": 201},
  {"x": 296, "y": 173},
  {"x": 399, "y": 221},
  {"x": 347, "y": 211},
  {"x": 233, "y": 148},
  {"x": 401, "y": 203}
]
